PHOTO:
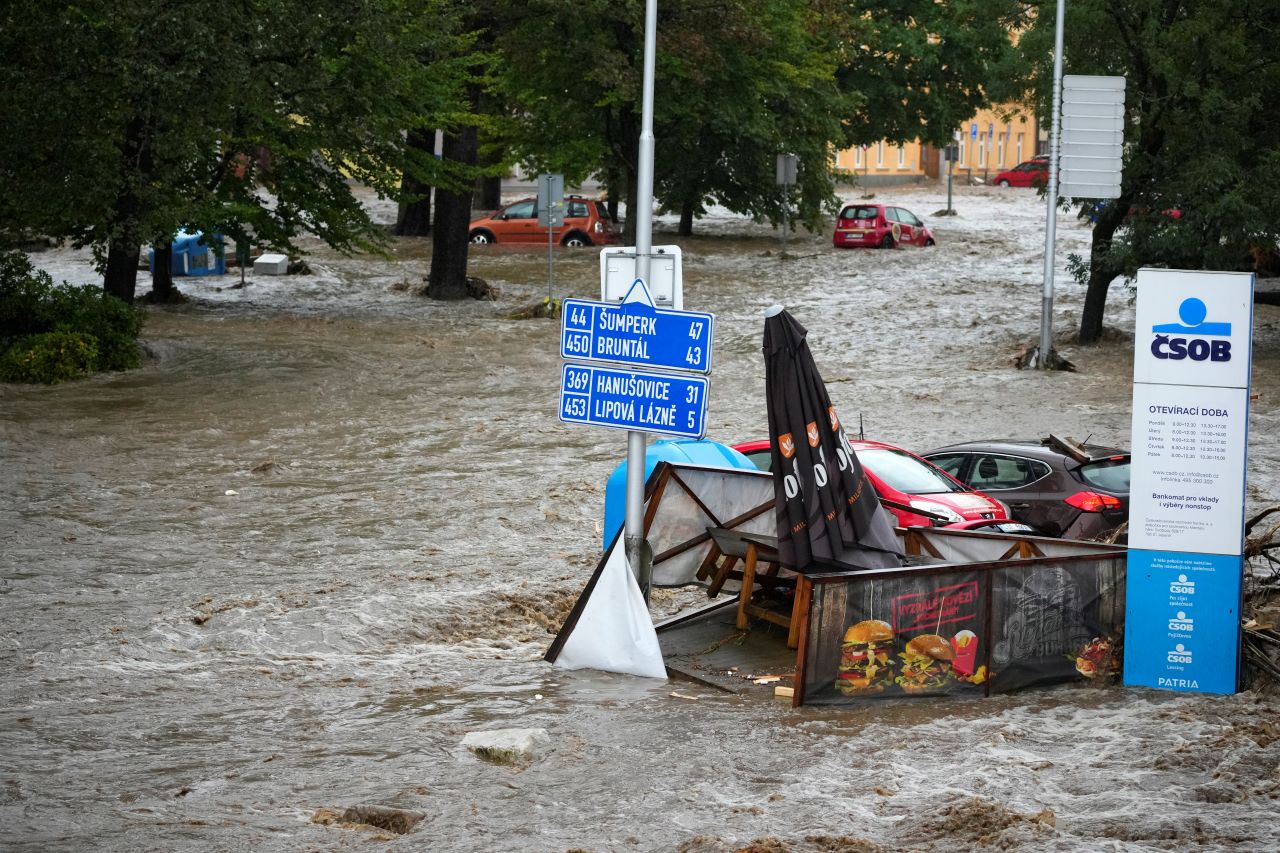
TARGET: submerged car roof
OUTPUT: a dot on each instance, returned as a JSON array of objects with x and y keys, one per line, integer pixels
[{"x": 1030, "y": 447}]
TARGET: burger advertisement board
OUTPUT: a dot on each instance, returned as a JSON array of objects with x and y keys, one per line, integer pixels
[
  {"x": 914, "y": 637},
  {"x": 1004, "y": 626}
]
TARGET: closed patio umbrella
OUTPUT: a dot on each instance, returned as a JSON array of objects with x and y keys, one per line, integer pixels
[{"x": 827, "y": 508}]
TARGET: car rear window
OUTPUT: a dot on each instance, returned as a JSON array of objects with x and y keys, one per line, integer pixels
[
  {"x": 906, "y": 473},
  {"x": 860, "y": 211},
  {"x": 1109, "y": 474}
]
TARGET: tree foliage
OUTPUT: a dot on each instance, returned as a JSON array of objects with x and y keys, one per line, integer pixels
[
  {"x": 924, "y": 68},
  {"x": 1202, "y": 131},
  {"x": 737, "y": 83},
  {"x": 127, "y": 119}
]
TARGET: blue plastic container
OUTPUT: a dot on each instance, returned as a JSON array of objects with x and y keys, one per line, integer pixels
[
  {"x": 194, "y": 254},
  {"x": 708, "y": 453}
]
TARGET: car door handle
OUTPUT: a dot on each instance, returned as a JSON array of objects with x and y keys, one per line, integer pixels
[{"x": 1019, "y": 506}]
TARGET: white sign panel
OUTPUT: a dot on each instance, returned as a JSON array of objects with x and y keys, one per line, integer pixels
[
  {"x": 1193, "y": 328},
  {"x": 1091, "y": 157},
  {"x": 1187, "y": 483}
]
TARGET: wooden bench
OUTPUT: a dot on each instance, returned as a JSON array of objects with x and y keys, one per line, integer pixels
[{"x": 728, "y": 547}]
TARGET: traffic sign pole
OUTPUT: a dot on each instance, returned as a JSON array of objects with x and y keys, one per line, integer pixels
[
  {"x": 639, "y": 553},
  {"x": 1044, "y": 355}
]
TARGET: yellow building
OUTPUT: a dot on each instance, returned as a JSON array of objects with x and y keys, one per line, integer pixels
[{"x": 987, "y": 144}]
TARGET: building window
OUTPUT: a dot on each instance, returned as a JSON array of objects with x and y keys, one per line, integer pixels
[
  {"x": 902, "y": 156},
  {"x": 964, "y": 149},
  {"x": 982, "y": 151},
  {"x": 1004, "y": 138},
  {"x": 880, "y": 155},
  {"x": 1020, "y": 147}
]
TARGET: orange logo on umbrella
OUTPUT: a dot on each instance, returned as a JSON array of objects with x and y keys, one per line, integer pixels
[
  {"x": 812, "y": 430},
  {"x": 787, "y": 445},
  {"x": 835, "y": 421}
]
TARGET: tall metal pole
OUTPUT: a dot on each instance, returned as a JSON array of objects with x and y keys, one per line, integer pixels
[
  {"x": 639, "y": 555},
  {"x": 1044, "y": 354}
]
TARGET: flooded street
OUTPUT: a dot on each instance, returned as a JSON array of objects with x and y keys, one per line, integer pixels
[{"x": 331, "y": 527}]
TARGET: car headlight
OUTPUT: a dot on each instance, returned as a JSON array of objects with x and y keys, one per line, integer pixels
[{"x": 937, "y": 509}]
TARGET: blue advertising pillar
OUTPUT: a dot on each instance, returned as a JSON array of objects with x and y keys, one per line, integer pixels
[{"x": 1192, "y": 354}]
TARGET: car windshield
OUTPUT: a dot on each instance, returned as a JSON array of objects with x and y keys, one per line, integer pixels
[
  {"x": 861, "y": 211},
  {"x": 1109, "y": 474},
  {"x": 905, "y": 473}
]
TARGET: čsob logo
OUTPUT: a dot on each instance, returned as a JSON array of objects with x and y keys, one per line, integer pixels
[{"x": 1191, "y": 312}]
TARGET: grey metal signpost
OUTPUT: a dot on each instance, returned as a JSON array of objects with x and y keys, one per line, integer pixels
[
  {"x": 550, "y": 214},
  {"x": 639, "y": 553},
  {"x": 786, "y": 174}
]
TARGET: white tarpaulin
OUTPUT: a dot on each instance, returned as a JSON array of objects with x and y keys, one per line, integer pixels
[{"x": 614, "y": 632}]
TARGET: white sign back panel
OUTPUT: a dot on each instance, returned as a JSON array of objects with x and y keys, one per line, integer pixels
[{"x": 618, "y": 273}]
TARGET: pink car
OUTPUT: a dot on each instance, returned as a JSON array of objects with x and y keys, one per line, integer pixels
[{"x": 879, "y": 225}]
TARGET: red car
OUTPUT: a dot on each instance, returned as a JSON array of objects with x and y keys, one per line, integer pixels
[
  {"x": 1030, "y": 173},
  {"x": 883, "y": 225},
  {"x": 904, "y": 479}
]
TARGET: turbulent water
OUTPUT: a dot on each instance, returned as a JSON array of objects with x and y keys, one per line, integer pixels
[{"x": 329, "y": 529}]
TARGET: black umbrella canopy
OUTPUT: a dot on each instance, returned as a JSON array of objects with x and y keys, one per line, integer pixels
[{"x": 827, "y": 509}]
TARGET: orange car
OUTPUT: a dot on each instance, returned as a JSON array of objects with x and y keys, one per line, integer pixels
[{"x": 586, "y": 223}]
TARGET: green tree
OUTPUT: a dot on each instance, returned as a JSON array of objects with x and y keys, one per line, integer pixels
[
  {"x": 1202, "y": 132},
  {"x": 923, "y": 68},
  {"x": 736, "y": 84},
  {"x": 127, "y": 119}
]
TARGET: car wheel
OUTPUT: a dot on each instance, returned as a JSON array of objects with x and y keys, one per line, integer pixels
[
  {"x": 929, "y": 242},
  {"x": 481, "y": 238},
  {"x": 1002, "y": 183},
  {"x": 887, "y": 242},
  {"x": 575, "y": 240}
]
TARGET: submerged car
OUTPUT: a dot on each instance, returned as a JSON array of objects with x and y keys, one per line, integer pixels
[
  {"x": 1060, "y": 488},
  {"x": 586, "y": 223},
  {"x": 917, "y": 492},
  {"x": 879, "y": 225}
]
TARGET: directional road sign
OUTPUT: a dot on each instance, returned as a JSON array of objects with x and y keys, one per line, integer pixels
[
  {"x": 636, "y": 333},
  {"x": 646, "y": 402}
]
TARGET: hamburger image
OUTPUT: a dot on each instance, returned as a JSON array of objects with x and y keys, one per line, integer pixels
[
  {"x": 926, "y": 663},
  {"x": 865, "y": 655}
]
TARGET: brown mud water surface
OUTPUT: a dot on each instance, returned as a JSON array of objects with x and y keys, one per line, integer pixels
[{"x": 329, "y": 528}]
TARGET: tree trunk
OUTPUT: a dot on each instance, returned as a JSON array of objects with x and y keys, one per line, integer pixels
[
  {"x": 162, "y": 289},
  {"x": 1101, "y": 269},
  {"x": 490, "y": 192},
  {"x": 121, "y": 276},
  {"x": 686, "y": 219},
  {"x": 125, "y": 244},
  {"x": 449, "y": 244},
  {"x": 414, "y": 219}
]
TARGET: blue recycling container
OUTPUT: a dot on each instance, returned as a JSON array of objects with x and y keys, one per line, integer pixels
[
  {"x": 194, "y": 254},
  {"x": 700, "y": 452}
]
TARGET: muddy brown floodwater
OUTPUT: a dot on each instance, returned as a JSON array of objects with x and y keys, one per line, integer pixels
[{"x": 330, "y": 527}]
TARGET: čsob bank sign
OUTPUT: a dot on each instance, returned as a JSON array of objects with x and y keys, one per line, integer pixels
[{"x": 1192, "y": 340}]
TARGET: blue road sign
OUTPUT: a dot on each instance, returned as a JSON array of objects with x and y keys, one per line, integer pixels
[
  {"x": 666, "y": 403},
  {"x": 636, "y": 333}
]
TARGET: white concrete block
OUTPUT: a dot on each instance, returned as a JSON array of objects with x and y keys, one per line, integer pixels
[{"x": 271, "y": 265}]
